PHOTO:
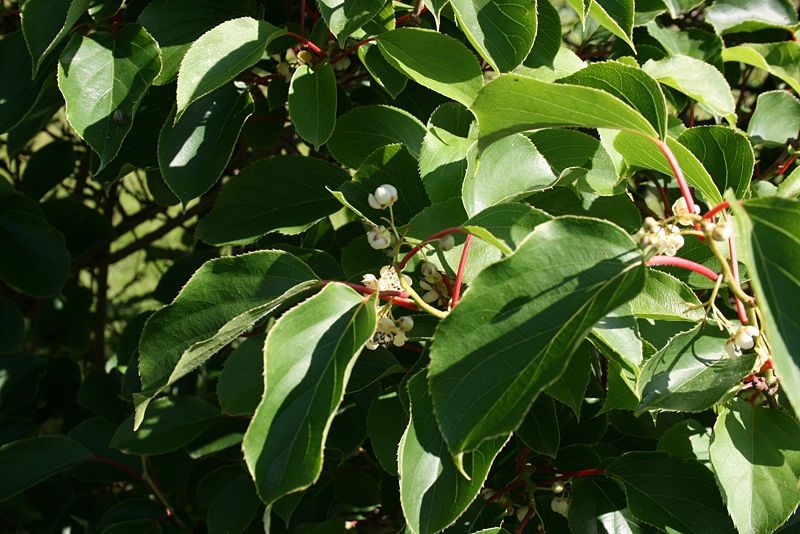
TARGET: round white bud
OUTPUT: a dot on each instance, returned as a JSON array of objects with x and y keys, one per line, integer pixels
[
  {"x": 560, "y": 505},
  {"x": 405, "y": 323},
  {"x": 429, "y": 269},
  {"x": 379, "y": 238},
  {"x": 744, "y": 340},
  {"x": 447, "y": 243},
  {"x": 722, "y": 232},
  {"x": 557, "y": 487}
]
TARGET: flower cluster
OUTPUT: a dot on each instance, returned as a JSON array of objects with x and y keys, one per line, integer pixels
[
  {"x": 388, "y": 280},
  {"x": 433, "y": 284},
  {"x": 390, "y": 332},
  {"x": 743, "y": 339},
  {"x": 664, "y": 239}
]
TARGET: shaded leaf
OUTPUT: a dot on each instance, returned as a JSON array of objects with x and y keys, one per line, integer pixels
[{"x": 312, "y": 103}]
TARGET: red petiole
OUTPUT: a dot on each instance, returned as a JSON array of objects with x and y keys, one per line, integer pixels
[
  {"x": 683, "y": 264},
  {"x": 434, "y": 237}
]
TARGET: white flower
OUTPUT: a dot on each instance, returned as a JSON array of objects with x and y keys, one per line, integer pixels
[
  {"x": 447, "y": 243},
  {"x": 389, "y": 280},
  {"x": 431, "y": 295},
  {"x": 744, "y": 337},
  {"x": 379, "y": 238},
  {"x": 682, "y": 214},
  {"x": 388, "y": 332},
  {"x": 732, "y": 350},
  {"x": 370, "y": 281},
  {"x": 429, "y": 269},
  {"x": 383, "y": 197},
  {"x": 560, "y": 505},
  {"x": 722, "y": 232}
]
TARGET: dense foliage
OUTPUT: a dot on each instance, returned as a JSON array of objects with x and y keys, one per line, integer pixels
[{"x": 416, "y": 266}]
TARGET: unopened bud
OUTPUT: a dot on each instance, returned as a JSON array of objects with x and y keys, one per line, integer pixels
[
  {"x": 447, "y": 243},
  {"x": 722, "y": 232}
]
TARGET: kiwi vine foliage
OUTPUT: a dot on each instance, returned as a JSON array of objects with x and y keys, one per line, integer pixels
[{"x": 416, "y": 266}]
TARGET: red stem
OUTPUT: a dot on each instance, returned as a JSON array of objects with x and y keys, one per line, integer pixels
[
  {"x": 397, "y": 297},
  {"x": 735, "y": 271},
  {"x": 716, "y": 209},
  {"x": 311, "y": 46},
  {"x": 527, "y": 517},
  {"x": 678, "y": 172},
  {"x": 434, "y": 237},
  {"x": 566, "y": 475},
  {"x": 122, "y": 467},
  {"x": 503, "y": 491},
  {"x": 447, "y": 284},
  {"x": 683, "y": 264},
  {"x": 462, "y": 265},
  {"x": 787, "y": 164},
  {"x": 352, "y": 49}
]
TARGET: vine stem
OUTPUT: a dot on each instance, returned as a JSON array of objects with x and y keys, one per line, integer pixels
[
  {"x": 303, "y": 17},
  {"x": 683, "y": 264},
  {"x": 302, "y": 40},
  {"x": 716, "y": 209},
  {"x": 678, "y": 172},
  {"x": 352, "y": 49},
  {"x": 462, "y": 265},
  {"x": 434, "y": 237},
  {"x": 397, "y": 297},
  {"x": 526, "y": 518},
  {"x": 566, "y": 475}
]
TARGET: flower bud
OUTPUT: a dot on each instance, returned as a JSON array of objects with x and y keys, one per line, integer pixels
[
  {"x": 383, "y": 197},
  {"x": 751, "y": 330},
  {"x": 722, "y": 232},
  {"x": 405, "y": 323},
  {"x": 447, "y": 243},
  {"x": 557, "y": 487},
  {"x": 732, "y": 350},
  {"x": 342, "y": 64},
  {"x": 429, "y": 269},
  {"x": 379, "y": 238},
  {"x": 744, "y": 340}
]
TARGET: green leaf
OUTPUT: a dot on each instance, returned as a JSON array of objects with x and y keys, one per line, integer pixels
[
  {"x": 580, "y": 160},
  {"x": 616, "y": 16},
  {"x": 726, "y": 154},
  {"x": 581, "y": 7},
  {"x": 240, "y": 384},
  {"x": 234, "y": 507},
  {"x": 312, "y": 103},
  {"x": 380, "y": 364},
  {"x": 523, "y": 316},
  {"x": 696, "y": 79},
  {"x": 308, "y": 357},
  {"x": 508, "y": 169},
  {"x": 670, "y": 493},
  {"x": 502, "y": 31},
  {"x": 539, "y": 429},
  {"x": 767, "y": 231},
  {"x": 386, "y": 422},
  {"x": 790, "y": 187},
  {"x": 629, "y": 84},
  {"x": 776, "y": 119},
  {"x": 433, "y": 492},
  {"x": 193, "y": 153},
  {"x": 679, "y": 7},
  {"x": 514, "y": 103},
  {"x": 219, "y": 56},
  {"x": 640, "y": 152},
  {"x": 285, "y": 194},
  {"x": 45, "y": 23},
  {"x": 363, "y": 130},
  {"x": 12, "y": 327},
  {"x": 171, "y": 423},
  {"x": 734, "y": 16},
  {"x": 392, "y": 165},
  {"x": 443, "y": 155},
  {"x": 221, "y": 300},
  {"x": 692, "y": 42},
  {"x": 388, "y": 77},
  {"x": 598, "y": 506},
  {"x": 570, "y": 388},
  {"x": 27, "y": 462},
  {"x": 617, "y": 336},
  {"x": 411, "y": 51},
  {"x": 779, "y": 59},
  {"x": 35, "y": 260},
  {"x": 757, "y": 464},
  {"x": 344, "y": 17},
  {"x": 688, "y": 439},
  {"x": 691, "y": 373},
  {"x": 47, "y": 167},
  {"x": 548, "y": 37},
  {"x": 19, "y": 92},
  {"x": 103, "y": 78},
  {"x": 665, "y": 298},
  {"x": 176, "y": 24}
]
